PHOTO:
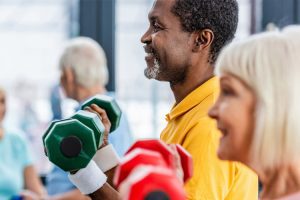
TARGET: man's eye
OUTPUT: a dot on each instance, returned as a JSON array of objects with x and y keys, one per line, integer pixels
[{"x": 156, "y": 27}]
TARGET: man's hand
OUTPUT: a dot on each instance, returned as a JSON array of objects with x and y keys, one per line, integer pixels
[{"x": 101, "y": 113}]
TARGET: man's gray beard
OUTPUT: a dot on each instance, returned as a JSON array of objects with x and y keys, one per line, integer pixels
[{"x": 152, "y": 73}]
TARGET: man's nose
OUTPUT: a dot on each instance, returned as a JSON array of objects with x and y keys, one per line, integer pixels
[{"x": 146, "y": 38}]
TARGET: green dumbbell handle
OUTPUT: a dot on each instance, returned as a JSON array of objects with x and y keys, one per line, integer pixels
[
  {"x": 111, "y": 107},
  {"x": 92, "y": 121}
]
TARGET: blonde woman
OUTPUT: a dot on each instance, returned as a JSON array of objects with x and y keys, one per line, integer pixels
[
  {"x": 16, "y": 169},
  {"x": 258, "y": 110}
]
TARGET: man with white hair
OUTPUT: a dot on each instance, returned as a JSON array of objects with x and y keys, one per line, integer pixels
[{"x": 84, "y": 74}]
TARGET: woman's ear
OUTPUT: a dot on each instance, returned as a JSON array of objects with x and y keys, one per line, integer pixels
[{"x": 203, "y": 39}]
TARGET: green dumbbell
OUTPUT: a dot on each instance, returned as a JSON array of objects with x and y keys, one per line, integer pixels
[
  {"x": 47, "y": 132},
  {"x": 70, "y": 144},
  {"x": 89, "y": 119},
  {"x": 92, "y": 121},
  {"x": 107, "y": 103}
]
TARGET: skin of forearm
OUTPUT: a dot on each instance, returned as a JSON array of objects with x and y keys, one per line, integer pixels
[
  {"x": 32, "y": 182},
  {"x": 110, "y": 175},
  {"x": 106, "y": 192},
  {"x": 72, "y": 195}
]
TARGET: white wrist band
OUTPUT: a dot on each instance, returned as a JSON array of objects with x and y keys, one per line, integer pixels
[
  {"x": 106, "y": 158},
  {"x": 88, "y": 179}
]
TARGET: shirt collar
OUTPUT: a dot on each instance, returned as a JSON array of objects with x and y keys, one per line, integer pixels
[{"x": 194, "y": 98}]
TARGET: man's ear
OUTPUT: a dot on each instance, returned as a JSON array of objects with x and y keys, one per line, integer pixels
[
  {"x": 202, "y": 39},
  {"x": 69, "y": 75}
]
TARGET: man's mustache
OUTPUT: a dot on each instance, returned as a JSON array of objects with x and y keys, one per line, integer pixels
[{"x": 149, "y": 49}]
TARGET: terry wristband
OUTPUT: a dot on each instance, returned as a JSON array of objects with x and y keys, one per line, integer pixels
[
  {"x": 88, "y": 179},
  {"x": 106, "y": 158}
]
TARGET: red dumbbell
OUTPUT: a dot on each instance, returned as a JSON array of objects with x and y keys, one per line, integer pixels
[
  {"x": 155, "y": 145},
  {"x": 152, "y": 183},
  {"x": 159, "y": 146},
  {"x": 186, "y": 162},
  {"x": 135, "y": 158}
]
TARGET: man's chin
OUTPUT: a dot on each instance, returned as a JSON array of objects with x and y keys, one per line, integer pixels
[
  {"x": 148, "y": 77},
  {"x": 150, "y": 73}
]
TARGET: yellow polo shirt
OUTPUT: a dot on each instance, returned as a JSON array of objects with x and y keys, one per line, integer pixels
[{"x": 190, "y": 126}]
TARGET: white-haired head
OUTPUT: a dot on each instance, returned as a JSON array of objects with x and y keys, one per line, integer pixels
[
  {"x": 88, "y": 61},
  {"x": 269, "y": 64}
]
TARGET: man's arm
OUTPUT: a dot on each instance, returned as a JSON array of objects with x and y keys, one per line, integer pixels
[
  {"x": 110, "y": 175},
  {"x": 107, "y": 160},
  {"x": 71, "y": 195},
  {"x": 106, "y": 192},
  {"x": 96, "y": 180},
  {"x": 92, "y": 182}
]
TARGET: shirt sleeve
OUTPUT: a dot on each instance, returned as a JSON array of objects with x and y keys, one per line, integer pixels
[{"x": 213, "y": 178}]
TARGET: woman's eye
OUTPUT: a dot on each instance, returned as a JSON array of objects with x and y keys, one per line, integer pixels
[{"x": 226, "y": 92}]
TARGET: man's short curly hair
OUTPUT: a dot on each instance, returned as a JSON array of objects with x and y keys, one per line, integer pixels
[{"x": 220, "y": 16}]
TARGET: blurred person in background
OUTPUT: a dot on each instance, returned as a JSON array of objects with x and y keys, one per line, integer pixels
[
  {"x": 17, "y": 172},
  {"x": 56, "y": 102},
  {"x": 84, "y": 74},
  {"x": 32, "y": 119},
  {"x": 258, "y": 109}
]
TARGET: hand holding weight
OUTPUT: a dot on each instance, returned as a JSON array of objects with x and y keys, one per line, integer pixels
[{"x": 72, "y": 143}]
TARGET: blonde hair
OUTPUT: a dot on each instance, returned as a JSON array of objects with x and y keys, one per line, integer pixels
[
  {"x": 87, "y": 58},
  {"x": 269, "y": 64}
]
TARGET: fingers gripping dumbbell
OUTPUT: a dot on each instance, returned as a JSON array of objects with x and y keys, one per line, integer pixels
[
  {"x": 112, "y": 109},
  {"x": 72, "y": 143}
]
